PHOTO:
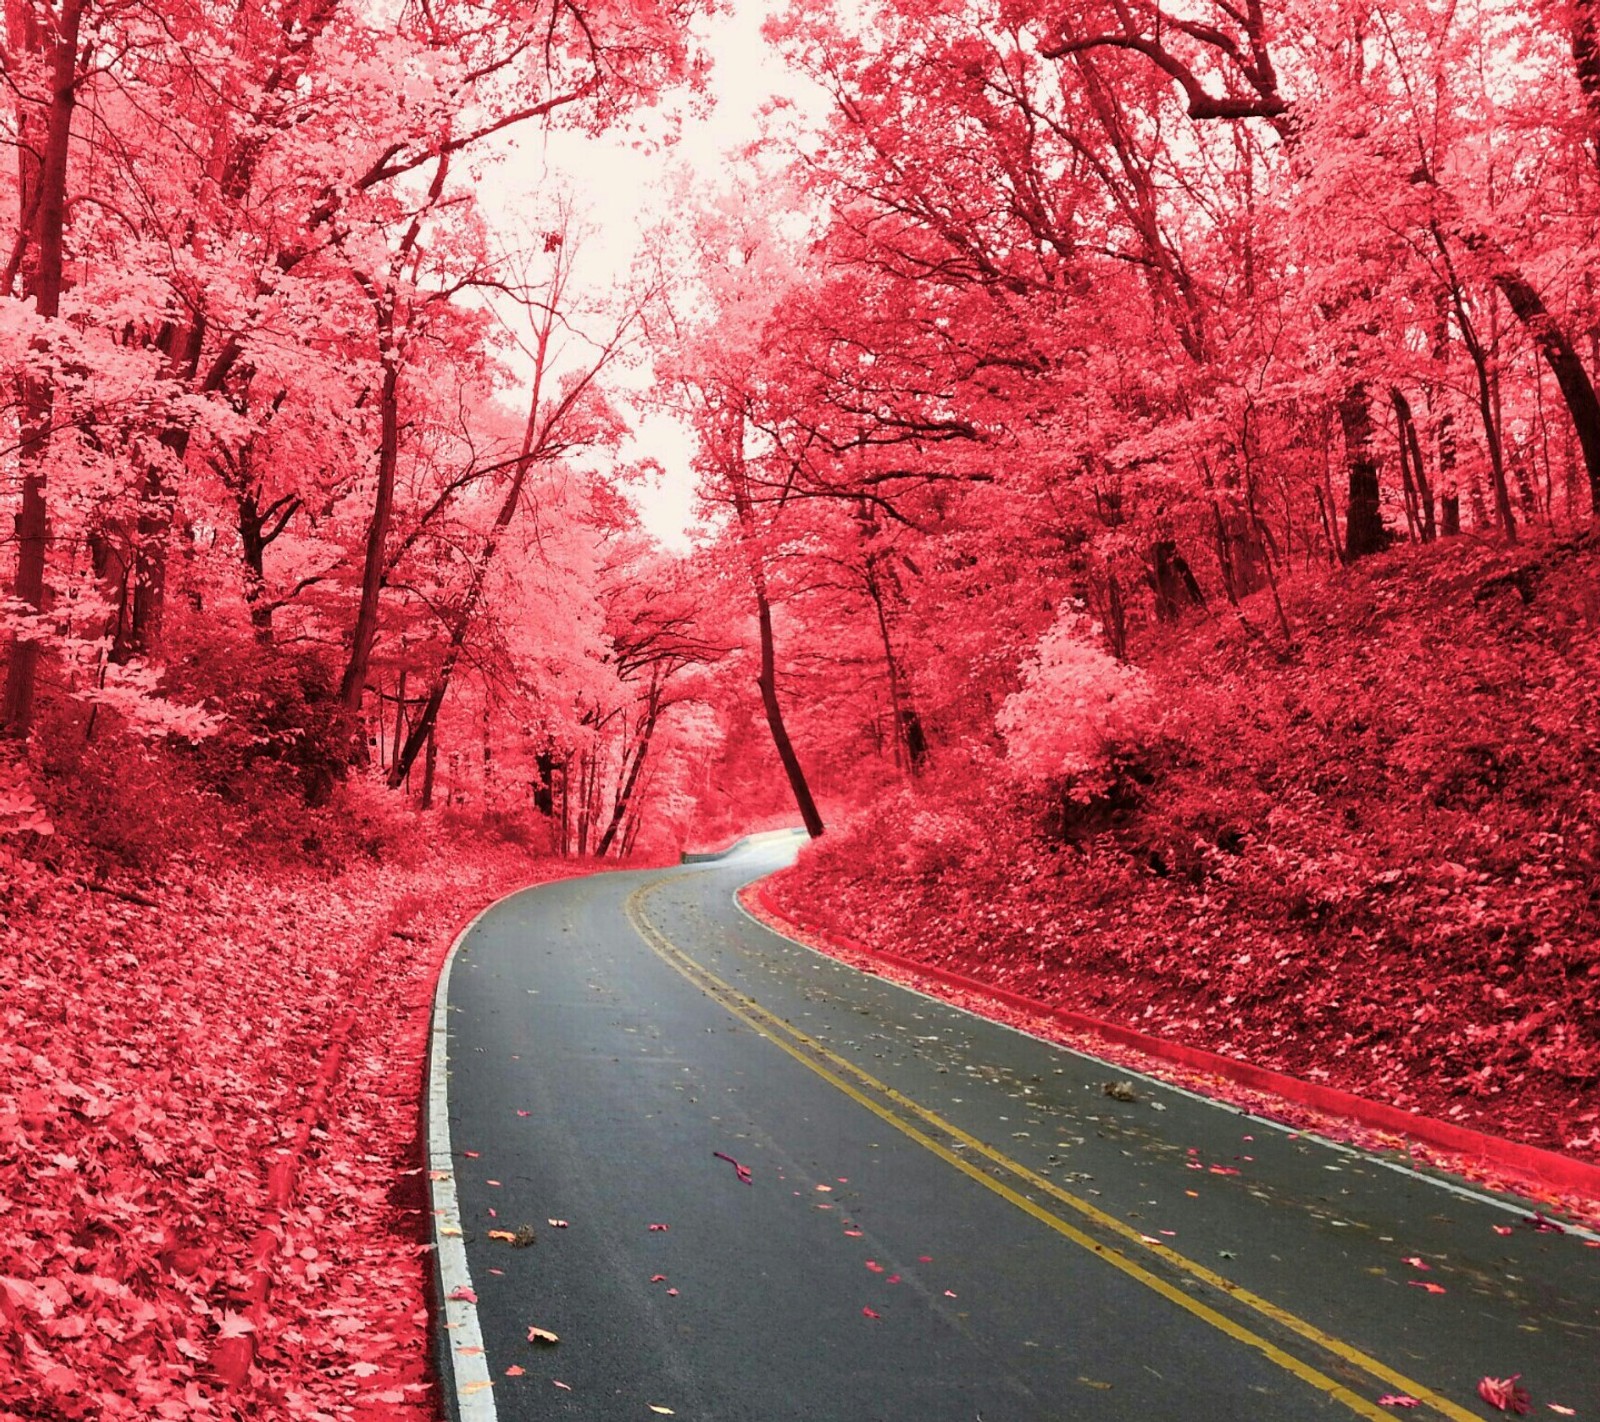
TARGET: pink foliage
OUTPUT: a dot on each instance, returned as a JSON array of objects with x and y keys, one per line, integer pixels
[{"x": 154, "y": 1047}]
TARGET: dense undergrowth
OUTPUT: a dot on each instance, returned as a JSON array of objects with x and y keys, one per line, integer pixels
[
  {"x": 1371, "y": 858},
  {"x": 165, "y": 1003}
]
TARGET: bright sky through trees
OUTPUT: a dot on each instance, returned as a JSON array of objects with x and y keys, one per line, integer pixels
[{"x": 623, "y": 184}]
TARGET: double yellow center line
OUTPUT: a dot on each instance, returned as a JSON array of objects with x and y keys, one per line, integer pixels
[{"x": 899, "y": 1111}]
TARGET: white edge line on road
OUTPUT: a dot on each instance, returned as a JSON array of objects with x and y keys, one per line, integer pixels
[
  {"x": 1510, "y": 1207},
  {"x": 469, "y": 1370}
]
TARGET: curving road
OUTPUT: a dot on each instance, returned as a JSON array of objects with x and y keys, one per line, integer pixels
[{"x": 944, "y": 1219}]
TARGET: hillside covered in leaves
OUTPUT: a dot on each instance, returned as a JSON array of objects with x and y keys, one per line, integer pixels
[{"x": 1372, "y": 859}]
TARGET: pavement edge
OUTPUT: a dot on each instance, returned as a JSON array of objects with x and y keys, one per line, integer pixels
[
  {"x": 1533, "y": 1165},
  {"x": 464, "y": 1381}
]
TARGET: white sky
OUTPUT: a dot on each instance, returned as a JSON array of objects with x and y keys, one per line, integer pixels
[{"x": 620, "y": 189}]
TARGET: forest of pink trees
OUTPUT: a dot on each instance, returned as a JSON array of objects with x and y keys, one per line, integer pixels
[{"x": 1156, "y": 439}]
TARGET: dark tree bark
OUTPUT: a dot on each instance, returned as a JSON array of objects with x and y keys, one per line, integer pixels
[
  {"x": 619, "y": 806},
  {"x": 544, "y": 788},
  {"x": 1585, "y": 35},
  {"x": 1565, "y": 364},
  {"x": 1364, "y": 531},
  {"x": 1172, "y": 581},
  {"x": 767, "y": 681},
  {"x": 430, "y": 764},
  {"x": 1250, "y": 90},
  {"x": 738, "y": 487},
  {"x": 909, "y": 740},
  {"x": 1419, "y": 493},
  {"x": 385, "y": 301},
  {"x": 365, "y": 632},
  {"x": 43, "y": 175},
  {"x": 1450, "y": 497}
]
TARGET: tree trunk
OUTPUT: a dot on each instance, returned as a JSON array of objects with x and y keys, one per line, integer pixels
[
  {"x": 544, "y": 788},
  {"x": 1585, "y": 35},
  {"x": 1419, "y": 495},
  {"x": 566, "y": 807},
  {"x": 462, "y": 618},
  {"x": 909, "y": 741},
  {"x": 1491, "y": 426},
  {"x": 1116, "y": 616},
  {"x": 768, "y": 684},
  {"x": 252, "y": 549},
  {"x": 430, "y": 764},
  {"x": 1172, "y": 581},
  {"x": 1577, "y": 391},
  {"x": 42, "y": 281},
  {"x": 1449, "y": 491},
  {"x": 354, "y": 681},
  {"x": 1364, "y": 530},
  {"x": 624, "y": 797}
]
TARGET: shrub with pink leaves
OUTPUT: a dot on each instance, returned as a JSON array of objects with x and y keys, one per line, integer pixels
[{"x": 1078, "y": 709}]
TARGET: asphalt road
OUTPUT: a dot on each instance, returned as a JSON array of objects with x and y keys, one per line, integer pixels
[{"x": 945, "y": 1219}]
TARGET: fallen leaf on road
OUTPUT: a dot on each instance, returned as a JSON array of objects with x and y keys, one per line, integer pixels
[
  {"x": 1502, "y": 1229},
  {"x": 924, "y": 1258},
  {"x": 873, "y": 1265},
  {"x": 1095, "y": 1383},
  {"x": 871, "y": 1312},
  {"x": 1431, "y": 1288},
  {"x": 492, "y": 1182},
  {"x": 1120, "y": 1090},
  {"x": 1564, "y": 1411},
  {"x": 504, "y": 1234},
  {"x": 1504, "y": 1393},
  {"x": 464, "y": 1294},
  {"x": 658, "y": 1278},
  {"x": 892, "y": 1279},
  {"x": 565, "y": 1387},
  {"x": 672, "y": 1293},
  {"x": 1416, "y": 1262},
  {"x": 1544, "y": 1226},
  {"x": 1224, "y": 1170},
  {"x": 853, "y": 1233},
  {"x": 950, "y": 1293},
  {"x": 542, "y": 1335},
  {"x": 823, "y": 1187},
  {"x": 1397, "y": 1399},
  {"x": 556, "y": 1224},
  {"x": 470, "y": 1154},
  {"x": 657, "y": 1228},
  {"x": 664, "y": 1411},
  {"x": 524, "y": 1113},
  {"x": 742, "y": 1171},
  {"x": 514, "y": 1371}
]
